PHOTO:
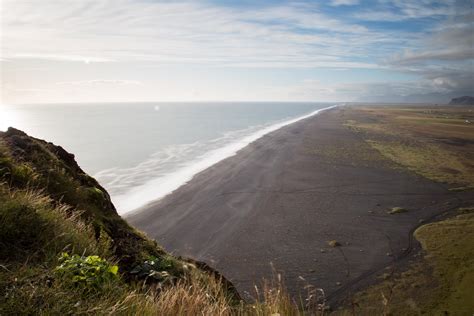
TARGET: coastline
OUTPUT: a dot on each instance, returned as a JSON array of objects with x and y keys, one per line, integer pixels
[
  {"x": 154, "y": 190},
  {"x": 277, "y": 203}
]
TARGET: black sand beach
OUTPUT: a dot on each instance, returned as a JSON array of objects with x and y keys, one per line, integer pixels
[{"x": 282, "y": 198}]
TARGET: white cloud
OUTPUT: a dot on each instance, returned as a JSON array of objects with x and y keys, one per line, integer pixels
[
  {"x": 400, "y": 10},
  {"x": 344, "y": 2},
  {"x": 128, "y": 38},
  {"x": 125, "y": 30},
  {"x": 99, "y": 82},
  {"x": 83, "y": 59}
]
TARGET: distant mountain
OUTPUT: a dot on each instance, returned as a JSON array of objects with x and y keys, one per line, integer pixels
[{"x": 465, "y": 100}]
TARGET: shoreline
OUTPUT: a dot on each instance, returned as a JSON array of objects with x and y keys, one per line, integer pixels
[
  {"x": 140, "y": 197},
  {"x": 277, "y": 203}
]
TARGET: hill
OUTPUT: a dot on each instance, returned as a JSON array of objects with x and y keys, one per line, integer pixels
[{"x": 465, "y": 100}]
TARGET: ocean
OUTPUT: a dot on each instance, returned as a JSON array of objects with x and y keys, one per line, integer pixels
[{"x": 141, "y": 152}]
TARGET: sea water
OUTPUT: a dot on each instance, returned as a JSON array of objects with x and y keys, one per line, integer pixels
[{"x": 141, "y": 152}]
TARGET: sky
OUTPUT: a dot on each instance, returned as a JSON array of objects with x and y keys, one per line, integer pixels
[{"x": 75, "y": 51}]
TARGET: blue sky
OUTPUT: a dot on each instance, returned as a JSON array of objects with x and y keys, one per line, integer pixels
[{"x": 148, "y": 50}]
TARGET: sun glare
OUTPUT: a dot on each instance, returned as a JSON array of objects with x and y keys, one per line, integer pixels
[{"x": 7, "y": 117}]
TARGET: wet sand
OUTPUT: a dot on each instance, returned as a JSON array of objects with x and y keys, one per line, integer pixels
[{"x": 279, "y": 201}]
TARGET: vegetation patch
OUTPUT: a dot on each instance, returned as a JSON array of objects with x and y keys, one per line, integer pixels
[
  {"x": 397, "y": 210},
  {"x": 466, "y": 210},
  {"x": 158, "y": 269},
  {"x": 433, "y": 142},
  {"x": 85, "y": 273},
  {"x": 429, "y": 161}
]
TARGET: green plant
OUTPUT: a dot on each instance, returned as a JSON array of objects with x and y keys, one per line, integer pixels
[
  {"x": 90, "y": 272},
  {"x": 155, "y": 268}
]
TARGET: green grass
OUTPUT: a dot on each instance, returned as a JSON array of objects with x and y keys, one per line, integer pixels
[
  {"x": 27, "y": 163},
  {"x": 35, "y": 228},
  {"x": 435, "y": 143},
  {"x": 429, "y": 161},
  {"x": 449, "y": 244}
]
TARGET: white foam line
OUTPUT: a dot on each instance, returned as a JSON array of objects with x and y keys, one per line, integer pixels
[{"x": 160, "y": 187}]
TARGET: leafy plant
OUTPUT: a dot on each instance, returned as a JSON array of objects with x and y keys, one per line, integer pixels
[{"x": 90, "y": 272}]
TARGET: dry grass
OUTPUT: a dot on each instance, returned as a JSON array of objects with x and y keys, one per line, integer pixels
[{"x": 28, "y": 284}]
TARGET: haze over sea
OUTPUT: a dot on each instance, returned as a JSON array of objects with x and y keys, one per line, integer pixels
[{"x": 142, "y": 151}]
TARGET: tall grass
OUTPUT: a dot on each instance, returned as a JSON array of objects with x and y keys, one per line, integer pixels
[{"x": 35, "y": 230}]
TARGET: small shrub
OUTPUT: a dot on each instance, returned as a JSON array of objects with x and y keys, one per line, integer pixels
[
  {"x": 88, "y": 273},
  {"x": 156, "y": 269}
]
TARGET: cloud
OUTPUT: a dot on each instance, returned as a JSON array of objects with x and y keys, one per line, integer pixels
[
  {"x": 177, "y": 33},
  {"x": 437, "y": 90},
  {"x": 444, "y": 58},
  {"x": 400, "y": 10},
  {"x": 336, "y": 3},
  {"x": 56, "y": 57},
  {"x": 451, "y": 41},
  {"x": 162, "y": 43},
  {"x": 99, "y": 82}
]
